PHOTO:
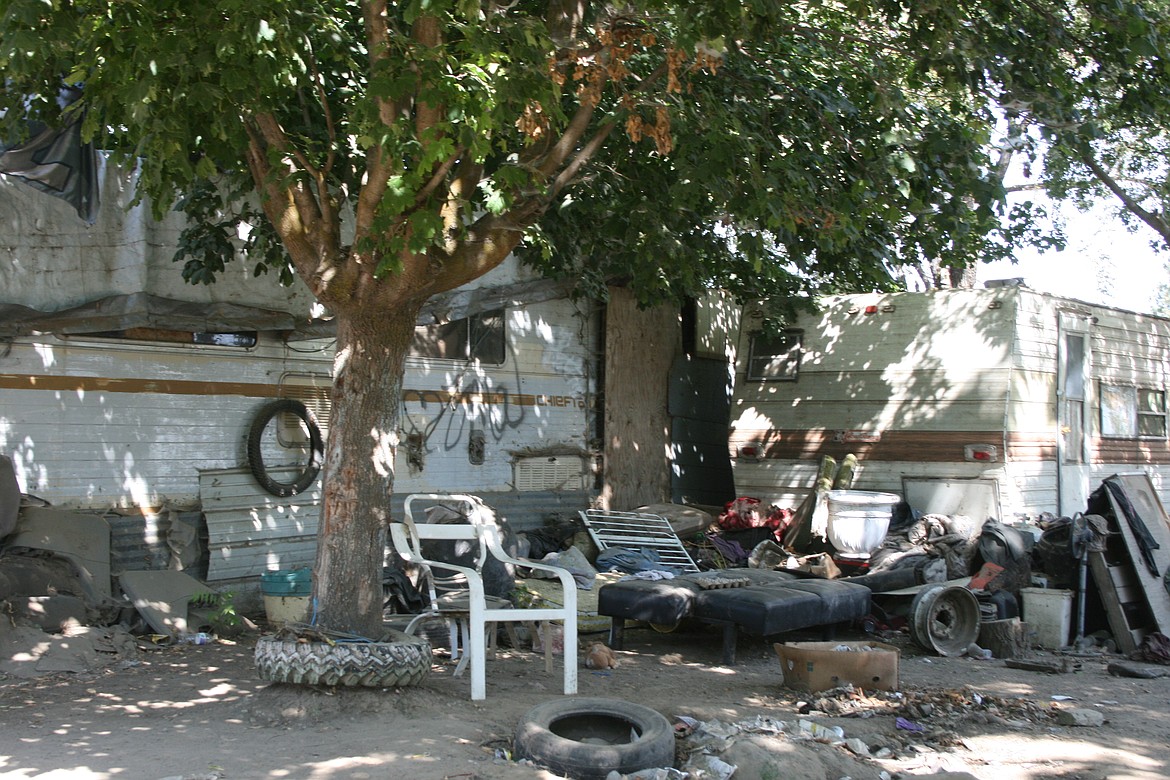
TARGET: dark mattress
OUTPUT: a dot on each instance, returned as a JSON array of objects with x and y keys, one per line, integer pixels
[{"x": 774, "y": 602}]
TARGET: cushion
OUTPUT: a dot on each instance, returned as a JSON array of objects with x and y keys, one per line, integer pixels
[{"x": 772, "y": 603}]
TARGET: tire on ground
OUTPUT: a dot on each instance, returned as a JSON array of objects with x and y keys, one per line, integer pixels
[
  {"x": 400, "y": 661},
  {"x": 536, "y": 739}
]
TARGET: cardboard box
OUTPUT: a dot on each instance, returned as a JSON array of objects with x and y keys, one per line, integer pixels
[{"x": 819, "y": 666}]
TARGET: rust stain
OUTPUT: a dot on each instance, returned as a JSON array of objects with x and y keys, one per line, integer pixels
[{"x": 73, "y": 384}]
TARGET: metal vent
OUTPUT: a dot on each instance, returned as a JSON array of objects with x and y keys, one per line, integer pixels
[
  {"x": 565, "y": 472},
  {"x": 313, "y": 391}
]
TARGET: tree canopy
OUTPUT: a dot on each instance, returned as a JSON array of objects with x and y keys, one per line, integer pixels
[
  {"x": 792, "y": 146},
  {"x": 385, "y": 152}
]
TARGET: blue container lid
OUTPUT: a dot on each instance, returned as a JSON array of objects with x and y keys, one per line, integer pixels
[
  {"x": 304, "y": 574},
  {"x": 287, "y": 582}
]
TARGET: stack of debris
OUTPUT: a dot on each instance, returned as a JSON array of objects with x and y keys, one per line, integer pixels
[{"x": 66, "y": 611}]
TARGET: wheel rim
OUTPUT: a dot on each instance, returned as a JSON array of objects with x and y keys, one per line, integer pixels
[{"x": 945, "y": 619}]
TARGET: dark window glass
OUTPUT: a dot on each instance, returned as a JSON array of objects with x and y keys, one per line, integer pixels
[
  {"x": 479, "y": 337},
  {"x": 775, "y": 357}
]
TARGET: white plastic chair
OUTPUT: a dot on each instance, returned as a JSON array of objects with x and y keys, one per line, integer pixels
[{"x": 480, "y": 611}]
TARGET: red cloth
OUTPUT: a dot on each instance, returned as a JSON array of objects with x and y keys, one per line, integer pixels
[{"x": 747, "y": 512}]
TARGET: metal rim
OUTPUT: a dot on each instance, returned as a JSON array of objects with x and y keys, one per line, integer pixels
[{"x": 945, "y": 619}]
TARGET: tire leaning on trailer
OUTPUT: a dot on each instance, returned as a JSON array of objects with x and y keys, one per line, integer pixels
[
  {"x": 399, "y": 661},
  {"x": 309, "y": 473}
]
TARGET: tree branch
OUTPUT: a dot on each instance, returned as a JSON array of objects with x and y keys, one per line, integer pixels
[
  {"x": 581, "y": 158},
  {"x": 280, "y": 207},
  {"x": 1155, "y": 221},
  {"x": 377, "y": 167}
]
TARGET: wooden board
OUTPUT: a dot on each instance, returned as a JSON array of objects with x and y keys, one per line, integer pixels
[
  {"x": 1145, "y": 504},
  {"x": 1129, "y": 621}
]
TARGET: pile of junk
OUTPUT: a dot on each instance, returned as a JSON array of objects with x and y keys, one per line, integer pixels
[
  {"x": 1096, "y": 582},
  {"x": 65, "y": 610}
]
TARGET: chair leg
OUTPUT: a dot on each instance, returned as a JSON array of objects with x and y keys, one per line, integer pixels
[
  {"x": 454, "y": 631},
  {"x": 513, "y": 637},
  {"x": 464, "y": 656},
  {"x": 547, "y": 628},
  {"x": 570, "y": 655}
]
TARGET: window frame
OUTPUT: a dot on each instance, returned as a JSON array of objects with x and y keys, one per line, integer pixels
[
  {"x": 482, "y": 340},
  {"x": 1122, "y": 412},
  {"x": 244, "y": 340},
  {"x": 794, "y": 337}
]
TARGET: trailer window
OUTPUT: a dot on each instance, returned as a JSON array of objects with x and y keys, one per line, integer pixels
[
  {"x": 1133, "y": 412},
  {"x": 245, "y": 339},
  {"x": 775, "y": 357},
  {"x": 479, "y": 337}
]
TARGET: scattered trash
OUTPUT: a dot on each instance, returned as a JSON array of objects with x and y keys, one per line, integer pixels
[
  {"x": 684, "y": 726},
  {"x": 710, "y": 766},
  {"x": 978, "y": 653},
  {"x": 926, "y": 722},
  {"x": 830, "y": 734},
  {"x": 657, "y": 773},
  {"x": 858, "y": 746}
]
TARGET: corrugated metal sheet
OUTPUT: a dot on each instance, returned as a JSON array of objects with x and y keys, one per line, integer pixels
[
  {"x": 250, "y": 531},
  {"x": 138, "y": 542}
]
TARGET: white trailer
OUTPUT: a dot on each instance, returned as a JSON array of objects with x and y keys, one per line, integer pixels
[
  {"x": 1016, "y": 400},
  {"x": 125, "y": 391}
]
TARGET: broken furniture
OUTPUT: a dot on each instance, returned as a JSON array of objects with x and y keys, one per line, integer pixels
[
  {"x": 638, "y": 531},
  {"x": 472, "y": 610},
  {"x": 55, "y": 566},
  {"x": 759, "y": 602}
]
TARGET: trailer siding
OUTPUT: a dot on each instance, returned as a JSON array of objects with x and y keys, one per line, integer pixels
[{"x": 905, "y": 381}]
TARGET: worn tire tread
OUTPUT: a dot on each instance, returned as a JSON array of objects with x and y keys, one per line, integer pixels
[{"x": 395, "y": 664}]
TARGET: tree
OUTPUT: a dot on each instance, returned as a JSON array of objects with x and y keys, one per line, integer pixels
[
  {"x": 1091, "y": 125},
  {"x": 388, "y": 152}
]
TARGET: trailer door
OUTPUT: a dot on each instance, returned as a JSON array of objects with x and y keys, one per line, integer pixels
[{"x": 1072, "y": 398}]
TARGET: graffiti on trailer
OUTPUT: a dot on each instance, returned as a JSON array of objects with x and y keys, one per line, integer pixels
[{"x": 509, "y": 410}]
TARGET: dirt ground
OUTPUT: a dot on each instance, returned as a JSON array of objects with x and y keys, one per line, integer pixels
[{"x": 201, "y": 713}]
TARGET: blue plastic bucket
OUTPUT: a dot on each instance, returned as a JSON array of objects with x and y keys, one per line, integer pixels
[{"x": 287, "y": 582}]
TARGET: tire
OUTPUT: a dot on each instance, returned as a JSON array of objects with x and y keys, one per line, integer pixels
[
  {"x": 402, "y": 661},
  {"x": 546, "y": 736},
  {"x": 256, "y": 458}
]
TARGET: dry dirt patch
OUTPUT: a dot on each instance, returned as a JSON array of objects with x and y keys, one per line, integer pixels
[{"x": 201, "y": 712}]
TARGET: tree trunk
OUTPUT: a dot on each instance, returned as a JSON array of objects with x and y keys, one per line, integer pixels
[
  {"x": 640, "y": 345},
  {"x": 359, "y": 468}
]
